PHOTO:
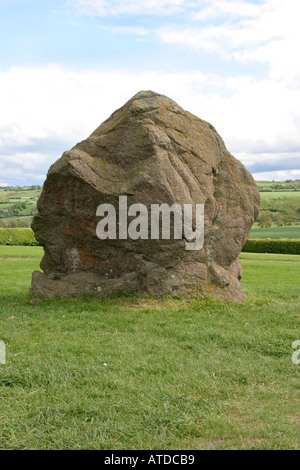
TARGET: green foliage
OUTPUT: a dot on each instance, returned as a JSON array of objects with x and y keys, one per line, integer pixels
[
  {"x": 264, "y": 219},
  {"x": 22, "y": 222},
  {"x": 287, "y": 203},
  {"x": 278, "y": 219},
  {"x": 17, "y": 236},
  {"x": 256, "y": 245}
]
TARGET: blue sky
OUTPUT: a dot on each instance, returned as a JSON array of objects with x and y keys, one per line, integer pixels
[{"x": 65, "y": 66}]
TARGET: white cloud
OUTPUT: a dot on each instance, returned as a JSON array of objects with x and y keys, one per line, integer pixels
[
  {"x": 28, "y": 161},
  {"x": 66, "y": 104},
  {"x": 268, "y": 32},
  {"x": 134, "y": 30},
  {"x": 265, "y": 158},
  {"x": 214, "y": 8},
  {"x": 265, "y": 32},
  {"x": 46, "y": 110},
  {"x": 195, "y": 9},
  {"x": 129, "y": 7},
  {"x": 277, "y": 175},
  {"x": 23, "y": 167},
  {"x": 225, "y": 39}
]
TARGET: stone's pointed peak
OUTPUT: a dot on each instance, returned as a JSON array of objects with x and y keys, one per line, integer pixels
[
  {"x": 146, "y": 102},
  {"x": 150, "y": 99},
  {"x": 143, "y": 105},
  {"x": 144, "y": 94}
]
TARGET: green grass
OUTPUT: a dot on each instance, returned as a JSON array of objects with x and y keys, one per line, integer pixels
[
  {"x": 28, "y": 210},
  {"x": 288, "y": 204},
  {"x": 6, "y": 205},
  {"x": 21, "y": 251},
  {"x": 180, "y": 374},
  {"x": 281, "y": 195},
  {"x": 276, "y": 232},
  {"x": 282, "y": 201},
  {"x": 264, "y": 256}
]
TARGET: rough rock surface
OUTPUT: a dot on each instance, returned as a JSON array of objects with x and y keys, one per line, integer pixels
[{"x": 154, "y": 152}]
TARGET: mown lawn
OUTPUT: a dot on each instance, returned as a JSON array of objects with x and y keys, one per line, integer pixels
[
  {"x": 264, "y": 256},
  {"x": 292, "y": 231},
  {"x": 141, "y": 373}
]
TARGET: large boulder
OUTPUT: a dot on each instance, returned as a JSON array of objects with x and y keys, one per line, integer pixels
[{"x": 153, "y": 152}]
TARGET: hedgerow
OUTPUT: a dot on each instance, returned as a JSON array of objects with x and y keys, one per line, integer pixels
[
  {"x": 260, "y": 245},
  {"x": 17, "y": 236}
]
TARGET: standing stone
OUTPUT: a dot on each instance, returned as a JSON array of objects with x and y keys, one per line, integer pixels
[{"x": 154, "y": 152}]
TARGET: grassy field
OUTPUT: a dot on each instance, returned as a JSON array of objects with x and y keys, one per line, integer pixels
[
  {"x": 278, "y": 185},
  {"x": 275, "y": 232},
  {"x": 286, "y": 203},
  {"x": 262, "y": 256},
  {"x": 280, "y": 195},
  {"x": 18, "y": 205},
  {"x": 21, "y": 252},
  {"x": 283, "y": 201},
  {"x": 140, "y": 373}
]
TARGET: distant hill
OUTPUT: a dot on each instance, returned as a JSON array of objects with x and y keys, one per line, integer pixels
[
  {"x": 289, "y": 185},
  {"x": 18, "y": 205},
  {"x": 279, "y": 215}
]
